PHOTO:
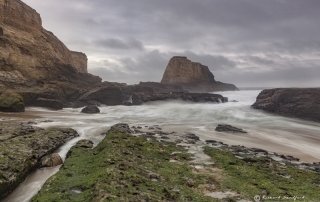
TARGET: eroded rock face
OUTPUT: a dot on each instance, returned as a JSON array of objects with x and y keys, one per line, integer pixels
[
  {"x": 294, "y": 102},
  {"x": 48, "y": 103},
  {"x": 105, "y": 95},
  {"x": 34, "y": 61},
  {"x": 27, "y": 47},
  {"x": 192, "y": 76}
]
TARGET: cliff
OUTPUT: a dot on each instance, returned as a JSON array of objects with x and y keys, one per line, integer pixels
[
  {"x": 192, "y": 76},
  {"x": 293, "y": 102},
  {"x": 33, "y": 59},
  {"x": 27, "y": 47}
]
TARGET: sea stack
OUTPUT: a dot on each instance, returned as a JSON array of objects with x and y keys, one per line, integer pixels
[{"x": 193, "y": 76}]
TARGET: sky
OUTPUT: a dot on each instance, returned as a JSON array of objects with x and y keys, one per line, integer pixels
[{"x": 250, "y": 43}]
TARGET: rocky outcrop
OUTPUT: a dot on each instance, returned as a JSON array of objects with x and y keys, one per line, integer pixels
[
  {"x": 27, "y": 47},
  {"x": 22, "y": 148},
  {"x": 90, "y": 109},
  {"x": 105, "y": 95},
  {"x": 48, "y": 103},
  {"x": 11, "y": 101},
  {"x": 293, "y": 102},
  {"x": 139, "y": 98},
  {"x": 192, "y": 76},
  {"x": 229, "y": 128},
  {"x": 34, "y": 62}
]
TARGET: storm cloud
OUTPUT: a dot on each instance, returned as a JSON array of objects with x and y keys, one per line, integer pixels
[{"x": 272, "y": 43}]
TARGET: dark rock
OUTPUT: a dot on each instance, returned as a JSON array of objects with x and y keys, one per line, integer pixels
[
  {"x": 85, "y": 144},
  {"x": 139, "y": 98},
  {"x": 127, "y": 103},
  {"x": 229, "y": 128},
  {"x": 258, "y": 150},
  {"x": 211, "y": 141},
  {"x": 293, "y": 102},
  {"x": 51, "y": 160},
  {"x": 11, "y": 101},
  {"x": 48, "y": 103},
  {"x": 1, "y": 31},
  {"x": 191, "y": 136},
  {"x": 91, "y": 109},
  {"x": 105, "y": 95}
]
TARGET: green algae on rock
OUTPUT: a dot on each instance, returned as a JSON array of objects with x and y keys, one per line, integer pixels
[
  {"x": 11, "y": 101},
  {"x": 124, "y": 167},
  {"x": 260, "y": 176},
  {"x": 21, "y": 149}
]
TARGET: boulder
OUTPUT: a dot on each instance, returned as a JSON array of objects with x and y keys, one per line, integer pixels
[
  {"x": 84, "y": 143},
  {"x": 229, "y": 128},
  {"x": 106, "y": 95},
  {"x": 11, "y": 101},
  {"x": 90, "y": 109},
  {"x": 192, "y": 76},
  {"x": 51, "y": 160},
  {"x": 293, "y": 102},
  {"x": 48, "y": 103}
]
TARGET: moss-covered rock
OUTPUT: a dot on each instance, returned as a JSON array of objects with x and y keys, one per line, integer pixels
[
  {"x": 266, "y": 178},
  {"x": 11, "y": 101},
  {"x": 124, "y": 167},
  {"x": 22, "y": 148}
]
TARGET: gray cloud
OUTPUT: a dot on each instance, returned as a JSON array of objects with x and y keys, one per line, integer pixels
[
  {"x": 114, "y": 43},
  {"x": 245, "y": 42}
]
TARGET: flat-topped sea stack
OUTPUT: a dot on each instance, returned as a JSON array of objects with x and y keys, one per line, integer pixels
[{"x": 193, "y": 76}]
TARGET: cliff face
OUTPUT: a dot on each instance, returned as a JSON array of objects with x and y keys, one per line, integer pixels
[
  {"x": 29, "y": 50},
  {"x": 79, "y": 61},
  {"x": 34, "y": 62},
  {"x": 192, "y": 76}
]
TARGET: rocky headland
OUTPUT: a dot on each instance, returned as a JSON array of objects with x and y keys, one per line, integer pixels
[
  {"x": 192, "y": 76},
  {"x": 293, "y": 102}
]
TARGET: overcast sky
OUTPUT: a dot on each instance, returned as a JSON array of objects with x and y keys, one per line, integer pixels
[{"x": 258, "y": 43}]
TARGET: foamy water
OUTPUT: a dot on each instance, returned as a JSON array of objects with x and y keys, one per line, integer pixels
[{"x": 267, "y": 131}]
